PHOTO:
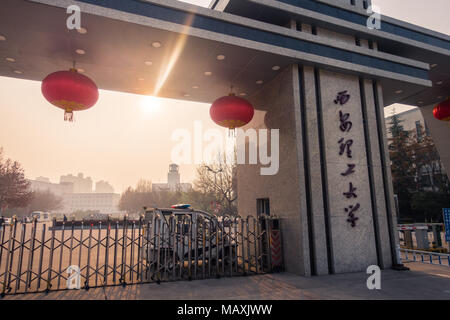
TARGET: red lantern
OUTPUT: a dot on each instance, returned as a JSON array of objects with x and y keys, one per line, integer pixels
[
  {"x": 231, "y": 112},
  {"x": 442, "y": 110},
  {"x": 69, "y": 91}
]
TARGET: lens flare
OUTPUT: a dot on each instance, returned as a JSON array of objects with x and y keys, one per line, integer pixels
[{"x": 174, "y": 56}]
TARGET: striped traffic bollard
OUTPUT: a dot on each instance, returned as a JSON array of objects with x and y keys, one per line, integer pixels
[{"x": 275, "y": 244}]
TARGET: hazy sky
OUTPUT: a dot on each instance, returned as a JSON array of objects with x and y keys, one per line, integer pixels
[{"x": 126, "y": 137}]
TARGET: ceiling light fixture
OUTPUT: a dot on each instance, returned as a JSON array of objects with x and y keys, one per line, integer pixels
[
  {"x": 220, "y": 57},
  {"x": 242, "y": 94},
  {"x": 141, "y": 79},
  {"x": 399, "y": 91},
  {"x": 148, "y": 63},
  {"x": 434, "y": 65},
  {"x": 82, "y": 30},
  {"x": 2, "y": 38},
  {"x": 187, "y": 95},
  {"x": 80, "y": 70},
  {"x": 195, "y": 87},
  {"x": 420, "y": 102},
  {"x": 276, "y": 68},
  {"x": 80, "y": 51},
  {"x": 18, "y": 71},
  {"x": 259, "y": 82},
  {"x": 10, "y": 59},
  {"x": 156, "y": 44},
  {"x": 208, "y": 73},
  {"x": 439, "y": 82}
]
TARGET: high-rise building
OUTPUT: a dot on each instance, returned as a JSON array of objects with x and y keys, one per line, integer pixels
[
  {"x": 80, "y": 184},
  {"x": 103, "y": 187},
  {"x": 43, "y": 184},
  {"x": 411, "y": 121},
  {"x": 106, "y": 203}
]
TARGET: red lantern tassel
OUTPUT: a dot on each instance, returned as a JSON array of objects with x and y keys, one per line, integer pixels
[{"x": 68, "y": 115}]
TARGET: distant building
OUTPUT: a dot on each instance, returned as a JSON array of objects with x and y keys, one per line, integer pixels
[
  {"x": 80, "y": 184},
  {"x": 411, "y": 120},
  {"x": 173, "y": 176},
  {"x": 103, "y": 187},
  {"x": 106, "y": 203},
  {"x": 173, "y": 181},
  {"x": 44, "y": 185}
]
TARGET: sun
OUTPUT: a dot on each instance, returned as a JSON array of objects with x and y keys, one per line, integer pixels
[{"x": 150, "y": 104}]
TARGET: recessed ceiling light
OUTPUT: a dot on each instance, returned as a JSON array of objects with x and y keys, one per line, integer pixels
[
  {"x": 10, "y": 59},
  {"x": 80, "y": 70},
  {"x": 399, "y": 91},
  {"x": 18, "y": 71},
  {"x": 195, "y": 87},
  {"x": 259, "y": 82},
  {"x": 208, "y": 73},
  {"x": 148, "y": 63},
  {"x": 276, "y": 68},
  {"x": 82, "y": 30},
  {"x": 220, "y": 57},
  {"x": 439, "y": 82},
  {"x": 80, "y": 51},
  {"x": 434, "y": 65},
  {"x": 243, "y": 94},
  {"x": 2, "y": 38},
  {"x": 156, "y": 44}
]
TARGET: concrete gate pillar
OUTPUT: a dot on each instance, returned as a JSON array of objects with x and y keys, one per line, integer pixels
[
  {"x": 422, "y": 239},
  {"x": 408, "y": 239},
  {"x": 328, "y": 170},
  {"x": 437, "y": 236}
]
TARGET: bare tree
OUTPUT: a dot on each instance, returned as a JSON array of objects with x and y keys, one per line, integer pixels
[
  {"x": 14, "y": 188},
  {"x": 39, "y": 201},
  {"x": 134, "y": 199},
  {"x": 217, "y": 179}
]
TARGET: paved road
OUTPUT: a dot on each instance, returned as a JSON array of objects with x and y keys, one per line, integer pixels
[{"x": 422, "y": 282}]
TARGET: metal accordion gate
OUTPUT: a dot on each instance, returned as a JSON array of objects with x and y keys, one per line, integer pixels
[{"x": 40, "y": 257}]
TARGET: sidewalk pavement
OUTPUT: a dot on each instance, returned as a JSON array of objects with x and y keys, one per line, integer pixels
[{"x": 423, "y": 281}]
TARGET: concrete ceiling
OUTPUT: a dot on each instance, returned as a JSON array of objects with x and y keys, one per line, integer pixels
[
  {"x": 116, "y": 52},
  {"x": 393, "y": 91}
]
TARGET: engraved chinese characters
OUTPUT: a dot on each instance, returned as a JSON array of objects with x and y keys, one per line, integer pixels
[{"x": 345, "y": 149}]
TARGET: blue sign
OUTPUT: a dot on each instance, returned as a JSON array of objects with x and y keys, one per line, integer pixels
[{"x": 447, "y": 223}]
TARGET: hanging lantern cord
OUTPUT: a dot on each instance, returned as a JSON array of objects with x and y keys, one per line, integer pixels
[
  {"x": 232, "y": 132},
  {"x": 231, "y": 90}
]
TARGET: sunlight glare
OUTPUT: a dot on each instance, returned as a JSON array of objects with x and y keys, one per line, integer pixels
[{"x": 150, "y": 104}]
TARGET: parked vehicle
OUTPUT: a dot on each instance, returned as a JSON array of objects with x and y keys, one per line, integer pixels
[
  {"x": 183, "y": 234},
  {"x": 41, "y": 216}
]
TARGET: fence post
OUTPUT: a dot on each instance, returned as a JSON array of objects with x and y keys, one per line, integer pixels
[{"x": 268, "y": 232}]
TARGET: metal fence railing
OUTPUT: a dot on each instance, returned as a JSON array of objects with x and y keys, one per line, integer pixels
[
  {"x": 425, "y": 257},
  {"x": 39, "y": 256}
]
